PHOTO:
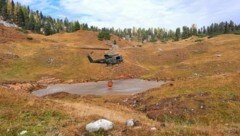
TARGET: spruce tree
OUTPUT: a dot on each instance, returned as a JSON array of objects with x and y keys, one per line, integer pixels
[
  {"x": 76, "y": 26},
  {"x": 186, "y": 32},
  {"x": 226, "y": 28},
  {"x": 20, "y": 18},
  {"x": 3, "y": 11},
  {"x": 31, "y": 23},
  {"x": 177, "y": 34},
  {"x": 47, "y": 29}
]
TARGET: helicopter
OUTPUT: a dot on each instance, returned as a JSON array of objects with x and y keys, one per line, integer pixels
[{"x": 109, "y": 59}]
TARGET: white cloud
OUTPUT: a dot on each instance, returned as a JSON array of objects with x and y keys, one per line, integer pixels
[
  {"x": 148, "y": 13},
  {"x": 140, "y": 13}
]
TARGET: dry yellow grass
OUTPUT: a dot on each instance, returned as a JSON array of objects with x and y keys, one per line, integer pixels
[{"x": 204, "y": 74}]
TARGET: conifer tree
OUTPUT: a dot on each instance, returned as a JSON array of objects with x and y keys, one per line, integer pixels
[
  {"x": 20, "y": 18},
  {"x": 177, "y": 34}
]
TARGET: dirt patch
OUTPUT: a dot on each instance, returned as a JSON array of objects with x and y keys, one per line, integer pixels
[
  {"x": 198, "y": 48},
  {"x": 48, "y": 80},
  {"x": 10, "y": 34},
  {"x": 8, "y": 56},
  {"x": 23, "y": 87},
  {"x": 176, "y": 107}
]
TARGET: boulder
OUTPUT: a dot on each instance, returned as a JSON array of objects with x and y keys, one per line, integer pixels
[
  {"x": 98, "y": 125},
  {"x": 130, "y": 123}
]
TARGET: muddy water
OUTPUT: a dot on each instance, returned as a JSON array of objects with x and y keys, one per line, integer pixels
[{"x": 120, "y": 87}]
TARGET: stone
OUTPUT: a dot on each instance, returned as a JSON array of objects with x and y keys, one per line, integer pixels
[
  {"x": 130, "y": 123},
  {"x": 99, "y": 124},
  {"x": 153, "y": 129},
  {"x": 23, "y": 132}
]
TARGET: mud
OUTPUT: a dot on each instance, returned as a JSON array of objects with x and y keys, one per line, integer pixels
[{"x": 120, "y": 87}]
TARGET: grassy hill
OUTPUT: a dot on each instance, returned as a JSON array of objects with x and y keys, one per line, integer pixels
[{"x": 202, "y": 98}]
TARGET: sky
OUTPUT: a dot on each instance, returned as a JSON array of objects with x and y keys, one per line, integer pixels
[{"x": 168, "y": 14}]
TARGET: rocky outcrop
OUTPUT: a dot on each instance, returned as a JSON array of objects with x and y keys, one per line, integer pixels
[{"x": 4, "y": 23}]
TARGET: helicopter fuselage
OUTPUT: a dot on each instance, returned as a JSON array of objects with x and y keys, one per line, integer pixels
[{"x": 109, "y": 59}]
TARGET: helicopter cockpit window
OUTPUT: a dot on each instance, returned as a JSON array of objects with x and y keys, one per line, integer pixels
[{"x": 118, "y": 58}]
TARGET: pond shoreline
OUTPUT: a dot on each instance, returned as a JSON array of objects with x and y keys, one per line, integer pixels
[{"x": 120, "y": 87}]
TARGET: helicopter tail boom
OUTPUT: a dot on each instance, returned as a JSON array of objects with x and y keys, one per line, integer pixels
[{"x": 90, "y": 59}]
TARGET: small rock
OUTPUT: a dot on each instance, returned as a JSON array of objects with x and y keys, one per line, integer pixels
[
  {"x": 195, "y": 74},
  {"x": 130, "y": 123},
  {"x": 125, "y": 100},
  {"x": 219, "y": 55},
  {"x": 23, "y": 132},
  {"x": 153, "y": 129},
  {"x": 138, "y": 127},
  {"x": 50, "y": 60},
  {"x": 99, "y": 124},
  {"x": 39, "y": 124}
]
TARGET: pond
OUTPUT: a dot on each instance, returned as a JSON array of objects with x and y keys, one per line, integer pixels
[{"x": 120, "y": 87}]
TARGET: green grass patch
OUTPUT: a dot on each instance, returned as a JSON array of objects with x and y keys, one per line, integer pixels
[{"x": 17, "y": 115}]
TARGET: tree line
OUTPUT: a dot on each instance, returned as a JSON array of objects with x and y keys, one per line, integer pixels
[
  {"x": 35, "y": 21},
  {"x": 161, "y": 34}
]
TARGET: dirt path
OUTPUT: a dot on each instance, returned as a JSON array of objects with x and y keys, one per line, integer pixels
[{"x": 114, "y": 113}]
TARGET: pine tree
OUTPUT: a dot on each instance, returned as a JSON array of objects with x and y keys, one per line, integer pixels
[
  {"x": 194, "y": 29},
  {"x": 178, "y": 34},
  {"x": 20, "y": 18},
  {"x": 76, "y": 26},
  {"x": 12, "y": 11},
  {"x": 3, "y": 9},
  {"x": 231, "y": 26},
  {"x": 226, "y": 28},
  {"x": 31, "y": 23},
  {"x": 186, "y": 32},
  {"x": 3, "y": 3},
  {"x": 47, "y": 29}
]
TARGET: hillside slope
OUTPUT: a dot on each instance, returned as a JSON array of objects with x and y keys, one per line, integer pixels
[
  {"x": 10, "y": 34},
  {"x": 202, "y": 97},
  {"x": 59, "y": 55}
]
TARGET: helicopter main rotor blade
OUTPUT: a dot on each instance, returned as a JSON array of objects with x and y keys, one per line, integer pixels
[{"x": 95, "y": 48}]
